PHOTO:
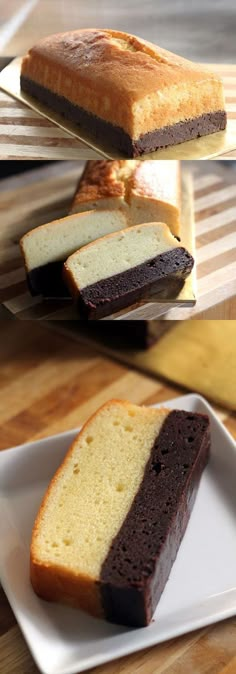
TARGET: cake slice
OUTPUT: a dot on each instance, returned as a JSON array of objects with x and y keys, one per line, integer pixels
[
  {"x": 127, "y": 267},
  {"x": 146, "y": 191},
  {"x": 46, "y": 248},
  {"x": 125, "y": 91},
  {"x": 112, "y": 519}
]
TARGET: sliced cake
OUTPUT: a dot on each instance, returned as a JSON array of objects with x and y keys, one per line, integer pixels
[
  {"x": 146, "y": 191},
  {"x": 127, "y": 267},
  {"x": 112, "y": 519},
  {"x": 124, "y": 90},
  {"x": 46, "y": 248}
]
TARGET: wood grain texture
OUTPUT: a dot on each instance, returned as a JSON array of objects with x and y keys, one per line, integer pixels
[
  {"x": 24, "y": 134},
  {"x": 191, "y": 367},
  {"x": 63, "y": 383},
  {"x": 37, "y": 197}
]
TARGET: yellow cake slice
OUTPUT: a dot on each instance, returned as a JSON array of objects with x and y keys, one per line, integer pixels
[{"x": 113, "y": 516}]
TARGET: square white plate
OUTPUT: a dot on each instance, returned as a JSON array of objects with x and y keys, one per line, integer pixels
[{"x": 202, "y": 585}]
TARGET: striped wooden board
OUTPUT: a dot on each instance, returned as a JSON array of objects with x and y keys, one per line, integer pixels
[
  {"x": 24, "y": 134},
  {"x": 191, "y": 367},
  {"x": 50, "y": 384},
  {"x": 28, "y": 201}
]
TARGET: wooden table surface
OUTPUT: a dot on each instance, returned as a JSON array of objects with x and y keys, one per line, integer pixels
[
  {"x": 39, "y": 196},
  {"x": 24, "y": 134},
  {"x": 50, "y": 384}
]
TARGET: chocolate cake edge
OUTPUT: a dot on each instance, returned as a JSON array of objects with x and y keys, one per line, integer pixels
[{"x": 133, "y": 575}]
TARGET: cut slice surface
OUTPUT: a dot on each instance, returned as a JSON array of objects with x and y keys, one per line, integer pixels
[
  {"x": 91, "y": 481},
  {"x": 114, "y": 254}
]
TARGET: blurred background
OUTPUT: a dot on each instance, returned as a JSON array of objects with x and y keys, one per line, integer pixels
[{"x": 200, "y": 29}]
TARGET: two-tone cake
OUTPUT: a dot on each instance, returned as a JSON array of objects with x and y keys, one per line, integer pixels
[
  {"x": 145, "y": 191},
  {"x": 120, "y": 269},
  {"x": 112, "y": 519},
  {"x": 124, "y": 90},
  {"x": 46, "y": 248}
]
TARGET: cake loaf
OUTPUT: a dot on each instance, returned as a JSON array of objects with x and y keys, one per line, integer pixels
[
  {"x": 120, "y": 269},
  {"x": 112, "y": 519},
  {"x": 146, "y": 191},
  {"x": 46, "y": 248},
  {"x": 124, "y": 90}
]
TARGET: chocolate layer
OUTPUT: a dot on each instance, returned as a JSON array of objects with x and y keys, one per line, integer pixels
[
  {"x": 139, "y": 561},
  {"x": 163, "y": 276},
  {"x": 47, "y": 280},
  {"x": 115, "y": 135},
  {"x": 211, "y": 122},
  {"x": 99, "y": 129}
]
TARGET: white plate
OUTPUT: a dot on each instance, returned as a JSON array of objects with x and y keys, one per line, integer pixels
[{"x": 202, "y": 584}]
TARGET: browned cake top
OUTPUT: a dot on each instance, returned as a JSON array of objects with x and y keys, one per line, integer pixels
[
  {"x": 102, "y": 178},
  {"x": 146, "y": 191},
  {"x": 124, "y": 71},
  {"x": 87, "y": 52}
]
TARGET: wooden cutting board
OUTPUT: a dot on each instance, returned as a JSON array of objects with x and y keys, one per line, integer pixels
[
  {"x": 24, "y": 134},
  {"x": 39, "y": 196},
  {"x": 182, "y": 354}
]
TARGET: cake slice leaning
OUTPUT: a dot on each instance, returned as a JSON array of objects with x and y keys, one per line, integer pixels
[
  {"x": 46, "y": 248},
  {"x": 135, "y": 264},
  {"x": 112, "y": 519}
]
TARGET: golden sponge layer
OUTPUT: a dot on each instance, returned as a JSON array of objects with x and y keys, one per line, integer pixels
[
  {"x": 58, "y": 239},
  {"x": 88, "y": 500},
  {"x": 117, "y": 253}
]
